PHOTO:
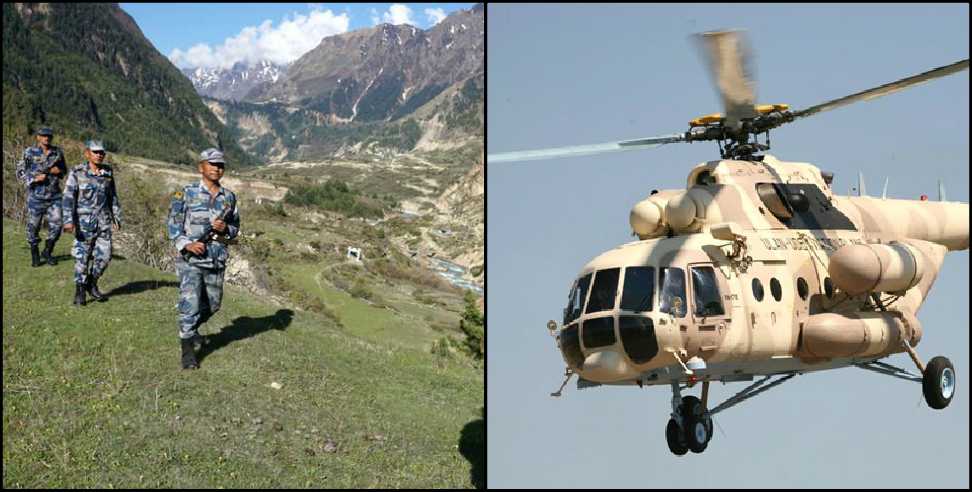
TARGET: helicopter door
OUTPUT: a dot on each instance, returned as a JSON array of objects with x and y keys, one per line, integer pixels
[{"x": 711, "y": 305}]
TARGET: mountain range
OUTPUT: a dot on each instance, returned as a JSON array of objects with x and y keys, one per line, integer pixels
[
  {"x": 393, "y": 87},
  {"x": 236, "y": 82},
  {"x": 88, "y": 71}
]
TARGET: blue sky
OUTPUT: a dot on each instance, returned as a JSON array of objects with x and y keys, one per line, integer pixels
[
  {"x": 282, "y": 30},
  {"x": 581, "y": 74}
]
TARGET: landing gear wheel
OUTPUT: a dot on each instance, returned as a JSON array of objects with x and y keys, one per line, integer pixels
[
  {"x": 696, "y": 438},
  {"x": 696, "y": 433},
  {"x": 674, "y": 436},
  {"x": 938, "y": 382}
]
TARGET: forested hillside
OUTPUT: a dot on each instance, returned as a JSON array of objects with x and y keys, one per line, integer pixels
[{"x": 88, "y": 71}]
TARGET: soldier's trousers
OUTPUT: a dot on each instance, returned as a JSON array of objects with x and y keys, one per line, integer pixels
[
  {"x": 92, "y": 253},
  {"x": 200, "y": 296},
  {"x": 36, "y": 211}
]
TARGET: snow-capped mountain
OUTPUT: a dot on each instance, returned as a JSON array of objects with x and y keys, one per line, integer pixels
[{"x": 233, "y": 83}]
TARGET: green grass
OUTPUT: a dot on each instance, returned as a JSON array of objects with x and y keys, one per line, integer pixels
[
  {"x": 94, "y": 396},
  {"x": 406, "y": 324}
]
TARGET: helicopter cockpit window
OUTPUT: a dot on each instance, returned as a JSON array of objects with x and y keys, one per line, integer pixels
[
  {"x": 706, "y": 291},
  {"x": 672, "y": 283},
  {"x": 639, "y": 289},
  {"x": 638, "y": 338},
  {"x": 802, "y": 206},
  {"x": 598, "y": 332},
  {"x": 570, "y": 346},
  {"x": 605, "y": 290},
  {"x": 576, "y": 299}
]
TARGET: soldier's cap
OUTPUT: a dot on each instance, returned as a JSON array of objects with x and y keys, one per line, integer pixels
[
  {"x": 214, "y": 156},
  {"x": 94, "y": 145},
  {"x": 45, "y": 130}
]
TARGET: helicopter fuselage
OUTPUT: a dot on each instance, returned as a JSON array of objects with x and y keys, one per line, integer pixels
[{"x": 757, "y": 268}]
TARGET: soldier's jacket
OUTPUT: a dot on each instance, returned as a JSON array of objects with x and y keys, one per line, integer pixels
[
  {"x": 91, "y": 198},
  {"x": 190, "y": 219},
  {"x": 34, "y": 162}
]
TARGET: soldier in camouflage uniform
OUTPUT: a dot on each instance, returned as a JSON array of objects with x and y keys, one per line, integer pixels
[
  {"x": 90, "y": 207},
  {"x": 41, "y": 170},
  {"x": 203, "y": 219}
]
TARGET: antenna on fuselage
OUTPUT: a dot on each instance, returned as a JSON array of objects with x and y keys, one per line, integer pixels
[
  {"x": 884, "y": 193},
  {"x": 941, "y": 191},
  {"x": 861, "y": 191}
]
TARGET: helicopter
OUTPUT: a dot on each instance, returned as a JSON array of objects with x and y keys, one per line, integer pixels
[{"x": 757, "y": 268}]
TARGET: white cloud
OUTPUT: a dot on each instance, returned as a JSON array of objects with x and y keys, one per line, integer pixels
[
  {"x": 282, "y": 44},
  {"x": 435, "y": 15},
  {"x": 398, "y": 14},
  {"x": 375, "y": 20}
]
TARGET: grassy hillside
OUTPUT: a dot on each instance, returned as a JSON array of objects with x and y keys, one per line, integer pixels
[{"x": 94, "y": 396}]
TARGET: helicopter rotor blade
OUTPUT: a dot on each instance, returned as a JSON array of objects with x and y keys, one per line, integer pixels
[
  {"x": 885, "y": 89},
  {"x": 579, "y": 150},
  {"x": 730, "y": 63}
]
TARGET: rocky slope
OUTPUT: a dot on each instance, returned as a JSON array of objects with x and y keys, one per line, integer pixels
[{"x": 385, "y": 72}]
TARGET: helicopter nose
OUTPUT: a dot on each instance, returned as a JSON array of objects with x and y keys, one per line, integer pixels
[{"x": 606, "y": 365}]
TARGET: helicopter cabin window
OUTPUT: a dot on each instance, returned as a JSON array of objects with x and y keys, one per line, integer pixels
[
  {"x": 757, "y": 289},
  {"x": 605, "y": 290},
  {"x": 802, "y": 288},
  {"x": 776, "y": 289},
  {"x": 638, "y": 338},
  {"x": 570, "y": 346},
  {"x": 829, "y": 288},
  {"x": 706, "y": 291},
  {"x": 598, "y": 332},
  {"x": 672, "y": 297},
  {"x": 639, "y": 288},
  {"x": 802, "y": 206},
  {"x": 576, "y": 299}
]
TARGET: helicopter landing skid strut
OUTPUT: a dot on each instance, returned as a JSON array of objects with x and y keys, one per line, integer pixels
[
  {"x": 884, "y": 368},
  {"x": 937, "y": 378}
]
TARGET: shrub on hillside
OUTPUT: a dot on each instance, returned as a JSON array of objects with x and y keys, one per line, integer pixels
[
  {"x": 472, "y": 324},
  {"x": 336, "y": 196}
]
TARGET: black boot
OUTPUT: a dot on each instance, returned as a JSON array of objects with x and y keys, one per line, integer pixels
[
  {"x": 188, "y": 354},
  {"x": 34, "y": 256},
  {"x": 79, "y": 295},
  {"x": 92, "y": 288},
  {"x": 49, "y": 253}
]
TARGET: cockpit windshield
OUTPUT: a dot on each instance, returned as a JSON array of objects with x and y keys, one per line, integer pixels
[
  {"x": 639, "y": 289},
  {"x": 605, "y": 290},
  {"x": 672, "y": 298},
  {"x": 575, "y": 301}
]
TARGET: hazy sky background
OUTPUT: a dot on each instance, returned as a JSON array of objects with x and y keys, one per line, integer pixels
[
  {"x": 207, "y": 34},
  {"x": 579, "y": 74}
]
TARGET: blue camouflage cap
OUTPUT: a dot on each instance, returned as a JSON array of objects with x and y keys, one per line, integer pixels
[
  {"x": 94, "y": 145},
  {"x": 45, "y": 130},
  {"x": 214, "y": 156}
]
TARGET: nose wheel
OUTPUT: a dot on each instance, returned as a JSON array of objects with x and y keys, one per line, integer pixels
[{"x": 690, "y": 427}]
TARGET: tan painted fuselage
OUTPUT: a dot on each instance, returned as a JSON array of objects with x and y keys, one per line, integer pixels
[{"x": 797, "y": 318}]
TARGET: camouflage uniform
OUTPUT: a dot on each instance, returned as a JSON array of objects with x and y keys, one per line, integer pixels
[
  {"x": 201, "y": 277},
  {"x": 91, "y": 203},
  {"x": 43, "y": 198}
]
